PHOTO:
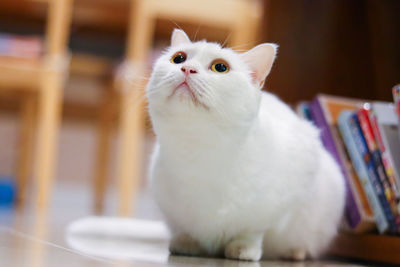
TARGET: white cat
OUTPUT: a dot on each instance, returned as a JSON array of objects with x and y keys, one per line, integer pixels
[{"x": 235, "y": 171}]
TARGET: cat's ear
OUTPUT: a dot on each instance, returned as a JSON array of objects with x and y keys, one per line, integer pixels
[
  {"x": 260, "y": 60},
  {"x": 179, "y": 37}
]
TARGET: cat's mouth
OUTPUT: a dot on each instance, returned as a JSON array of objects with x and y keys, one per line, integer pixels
[{"x": 184, "y": 90}]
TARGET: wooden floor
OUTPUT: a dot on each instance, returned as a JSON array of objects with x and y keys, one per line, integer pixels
[{"x": 39, "y": 240}]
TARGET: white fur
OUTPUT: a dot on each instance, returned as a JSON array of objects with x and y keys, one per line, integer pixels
[{"x": 239, "y": 170}]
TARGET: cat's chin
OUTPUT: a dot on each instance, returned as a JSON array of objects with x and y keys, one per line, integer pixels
[{"x": 184, "y": 93}]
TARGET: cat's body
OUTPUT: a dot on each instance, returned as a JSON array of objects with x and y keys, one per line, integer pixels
[{"x": 236, "y": 170}]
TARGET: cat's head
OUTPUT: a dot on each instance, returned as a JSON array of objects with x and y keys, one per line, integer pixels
[{"x": 203, "y": 78}]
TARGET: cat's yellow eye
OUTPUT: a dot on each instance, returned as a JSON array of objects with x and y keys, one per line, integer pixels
[
  {"x": 178, "y": 57},
  {"x": 220, "y": 66}
]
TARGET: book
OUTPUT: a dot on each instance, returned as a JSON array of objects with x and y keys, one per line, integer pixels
[
  {"x": 19, "y": 46},
  {"x": 396, "y": 98},
  {"x": 365, "y": 124},
  {"x": 352, "y": 140},
  {"x": 325, "y": 111},
  {"x": 385, "y": 127},
  {"x": 372, "y": 172}
]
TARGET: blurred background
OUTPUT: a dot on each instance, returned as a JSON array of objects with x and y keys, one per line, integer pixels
[
  {"x": 74, "y": 135},
  {"x": 339, "y": 47}
]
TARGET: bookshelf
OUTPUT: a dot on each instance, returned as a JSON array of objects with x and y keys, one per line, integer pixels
[
  {"x": 369, "y": 247},
  {"x": 362, "y": 130}
]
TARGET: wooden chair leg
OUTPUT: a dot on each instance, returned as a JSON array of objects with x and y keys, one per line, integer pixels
[
  {"x": 37, "y": 252},
  {"x": 130, "y": 143},
  {"x": 26, "y": 145},
  {"x": 50, "y": 101},
  {"x": 245, "y": 30},
  {"x": 102, "y": 163},
  {"x": 240, "y": 38}
]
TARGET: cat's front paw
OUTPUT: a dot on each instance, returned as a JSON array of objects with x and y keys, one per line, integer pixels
[
  {"x": 242, "y": 250},
  {"x": 184, "y": 244}
]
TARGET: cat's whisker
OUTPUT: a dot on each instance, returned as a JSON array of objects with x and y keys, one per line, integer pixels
[
  {"x": 208, "y": 94},
  {"x": 226, "y": 40},
  {"x": 201, "y": 90},
  {"x": 167, "y": 78},
  {"x": 147, "y": 94},
  {"x": 237, "y": 47},
  {"x": 220, "y": 110},
  {"x": 135, "y": 84},
  {"x": 240, "y": 50},
  {"x": 141, "y": 100},
  {"x": 135, "y": 76},
  {"x": 197, "y": 31},
  {"x": 176, "y": 24},
  {"x": 152, "y": 92}
]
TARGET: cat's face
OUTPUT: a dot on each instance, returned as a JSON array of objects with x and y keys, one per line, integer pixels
[{"x": 203, "y": 78}]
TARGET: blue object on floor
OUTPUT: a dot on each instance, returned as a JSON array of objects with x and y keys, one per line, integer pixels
[{"x": 7, "y": 191}]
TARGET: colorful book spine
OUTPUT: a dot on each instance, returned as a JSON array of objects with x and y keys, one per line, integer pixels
[
  {"x": 363, "y": 117},
  {"x": 349, "y": 138},
  {"x": 20, "y": 46},
  {"x": 386, "y": 159},
  {"x": 396, "y": 98},
  {"x": 363, "y": 150},
  {"x": 352, "y": 213}
]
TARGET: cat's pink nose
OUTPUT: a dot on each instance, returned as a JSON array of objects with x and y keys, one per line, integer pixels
[{"x": 188, "y": 70}]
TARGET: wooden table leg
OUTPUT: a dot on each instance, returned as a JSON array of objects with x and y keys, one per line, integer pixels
[
  {"x": 50, "y": 101},
  {"x": 102, "y": 163}
]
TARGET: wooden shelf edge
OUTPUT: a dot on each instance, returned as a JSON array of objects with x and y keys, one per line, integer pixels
[{"x": 378, "y": 248}]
